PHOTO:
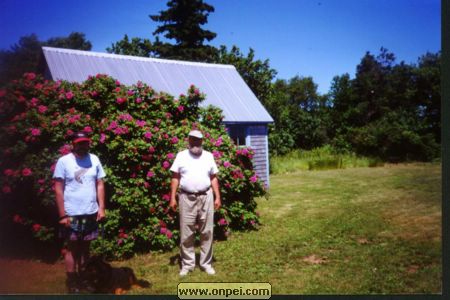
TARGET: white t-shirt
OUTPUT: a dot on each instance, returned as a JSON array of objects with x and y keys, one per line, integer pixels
[
  {"x": 80, "y": 183},
  {"x": 195, "y": 171}
]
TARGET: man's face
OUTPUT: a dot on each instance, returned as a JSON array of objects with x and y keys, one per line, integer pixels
[
  {"x": 195, "y": 145},
  {"x": 81, "y": 148}
]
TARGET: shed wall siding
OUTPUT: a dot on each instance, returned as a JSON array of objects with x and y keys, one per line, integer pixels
[{"x": 258, "y": 142}]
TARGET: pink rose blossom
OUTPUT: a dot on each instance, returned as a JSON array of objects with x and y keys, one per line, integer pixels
[
  {"x": 138, "y": 100},
  {"x": 227, "y": 164},
  {"x": 26, "y": 172},
  {"x": 146, "y": 184},
  {"x": 166, "y": 197},
  {"x": 29, "y": 76},
  {"x": 121, "y": 100},
  {"x": 130, "y": 93},
  {"x": 166, "y": 164},
  {"x": 69, "y": 132},
  {"x": 42, "y": 109},
  {"x": 52, "y": 168},
  {"x": 150, "y": 174},
  {"x": 180, "y": 108},
  {"x": 69, "y": 95},
  {"x": 35, "y": 131},
  {"x": 34, "y": 101},
  {"x": 148, "y": 135},
  {"x": 87, "y": 129},
  {"x": 117, "y": 89},
  {"x": 17, "y": 219},
  {"x": 170, "y": 155},
  {"x": 217, "y": 154},
  {"x": 141, "y": 123},
  {"x": 41, "y": 181},
  {"x": 174, "y": 140},
  {"x": 222, "y": 222},
  {"x": 163, "y": 230},
  {"x": 65, "y": 149},
  {"x": 169, "y": 234},
  {"x": 6, "y": 189},
  {"x": 218, "y": 142},
  {"x": 8, "y": 172},
  {"x": 254, "y": 178},
  {"x": 102, "y": 138},
  {"x": 36, "y": 227},
  {"x": 112, "y": 126}
]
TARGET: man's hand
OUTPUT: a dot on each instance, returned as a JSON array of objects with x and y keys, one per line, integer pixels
[
  {"x": 217, "y": 203},
  {"x": 65, "y": 221},
  {"x": 100, "y": 214},
  {"x": 173, "y": 204}
]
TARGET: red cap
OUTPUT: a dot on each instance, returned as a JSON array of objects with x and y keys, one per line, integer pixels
[{"x": 80, "y": 137}]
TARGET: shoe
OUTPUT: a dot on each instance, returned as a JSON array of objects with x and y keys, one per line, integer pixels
[
  {"x": 209, "y": 271},
  {"x": 184, "y": 272}
]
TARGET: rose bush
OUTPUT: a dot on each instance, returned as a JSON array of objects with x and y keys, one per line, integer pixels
[{"x": 136, "y": 132}]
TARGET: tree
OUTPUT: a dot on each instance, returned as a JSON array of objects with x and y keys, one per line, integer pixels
[
  {"x": 26, "y": 55},
  {"x": 136, "y": 47},
  {"x": 182, "y": 22}
]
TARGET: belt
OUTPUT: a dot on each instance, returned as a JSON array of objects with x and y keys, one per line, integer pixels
[{"x": 200, "y": 193}]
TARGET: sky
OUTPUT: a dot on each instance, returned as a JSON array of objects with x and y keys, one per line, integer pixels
[{"x": 317, "y": 38}]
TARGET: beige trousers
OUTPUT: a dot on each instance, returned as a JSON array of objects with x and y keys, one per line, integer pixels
[{"x": 200, "y": 210}]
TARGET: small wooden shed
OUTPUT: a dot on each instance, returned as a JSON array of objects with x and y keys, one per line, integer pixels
[{"x": 244, "y": 115}]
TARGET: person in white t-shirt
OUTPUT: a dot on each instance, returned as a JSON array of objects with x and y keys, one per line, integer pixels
[
  {"x": 80, "y": 198},
  {"x": 194, "y": 173}
]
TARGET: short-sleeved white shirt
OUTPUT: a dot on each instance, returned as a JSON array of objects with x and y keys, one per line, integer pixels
[
  {"x": 195, "y": 171},
  {"x": 80, "y": 184}
]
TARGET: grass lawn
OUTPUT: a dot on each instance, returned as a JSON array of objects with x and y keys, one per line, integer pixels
[
  {"x": 343, "y": 231},
  {"x": 346, "y": 231}
]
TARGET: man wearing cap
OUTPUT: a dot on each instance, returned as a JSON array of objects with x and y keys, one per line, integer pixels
[
  {"x": 194, "y": 172},
  {"x": 80, "y": 198}
]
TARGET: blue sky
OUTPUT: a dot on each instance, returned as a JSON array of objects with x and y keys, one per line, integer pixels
[{"x": 318, "y": 38}]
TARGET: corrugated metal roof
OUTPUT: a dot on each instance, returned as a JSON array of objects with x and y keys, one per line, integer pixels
[{"x": 222, "y": 84}]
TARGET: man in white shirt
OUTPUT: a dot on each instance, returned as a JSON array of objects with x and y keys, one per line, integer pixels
[{"x": 194, "y": 172}]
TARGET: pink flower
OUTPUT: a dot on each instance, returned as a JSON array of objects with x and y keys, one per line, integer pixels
[
  {"x": 52, "y": 168},
  {"x": 8, "y": 172},
  {"x": 87, "y": 129},
  {"x": 138, "y": 100},
  {"x": 223, "y": 222},
  {"x": 35, "y": 131},
  {"x": 6, "y": 189},
  {"x": 26, "y": 172},
  {"x": 41, "y": 181},
  {"x": 252, "y": 222},
  {"x": 130, "y": 93},
  {"x": 112, "y": 126},
  {"x": 150, "y": 174},
  {"x": 166, "y": 164},
  {"x": 146, "y": 184},
  {"x": 169, "y": 234},
  {"x": 162, "y": 223},
  {"x": 226, "y": 164},
  {"x": 29, "y": 76},
  {"x": 174, "y": 140},
  {"x": 217, "y": 154},
  {"x": 180, "y": 108},
  {"x": 119, "y": 242},
  {"x": 151, "y": 149},
  {"x": 218, "y": 142},
  {"x": 140, "y": 123},
  {"x": 148, "y": 135},
  {"x": 166, "y": 197},
  {"x": 163, "y": 230},
  {"x": 170, "y": 155},
  {"x": 254, "y": 178},
  {"x": 117, "y": 89},
  {"x": 102, "y": 138},
  {"x": 34, "y": 101},
  {"x": 120, "y": 100},
  {"x": 69, "y": 132},
  {"x": 69, "y": 95},
  {"x": 64, "y": 149},
  {"x": 117, "y": 82},
  {"x": 36, "y": 227},
  {"x": 17, "y": 219},
  {"x": 42, "y": 109}
]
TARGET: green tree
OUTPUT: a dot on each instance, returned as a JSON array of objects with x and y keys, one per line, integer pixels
[
  {"x": 136, "y": 47},
  {"x": 182, "y": 22},
  {"x": 26, "y": 55}
]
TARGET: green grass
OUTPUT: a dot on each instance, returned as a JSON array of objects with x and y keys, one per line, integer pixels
[
  {"x": 318, "y": 159},
  {"x": 343, "y": 231}
]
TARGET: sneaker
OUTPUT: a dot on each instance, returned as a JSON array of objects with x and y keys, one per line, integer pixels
[
  {"x": 184, "y": 272},
  {"x": 209, "y": 270}
]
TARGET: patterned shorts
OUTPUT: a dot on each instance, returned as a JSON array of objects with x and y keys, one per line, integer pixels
[{"x": 82, "y": 228}]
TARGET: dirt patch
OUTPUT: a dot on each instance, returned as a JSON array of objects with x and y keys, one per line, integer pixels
[{"x": 19, "y": 276}]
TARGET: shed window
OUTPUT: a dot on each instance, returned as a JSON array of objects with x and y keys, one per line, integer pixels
[{"x": 238, "y": 135}]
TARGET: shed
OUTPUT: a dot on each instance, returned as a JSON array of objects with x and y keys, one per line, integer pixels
[{"x": 244, "y": 115}]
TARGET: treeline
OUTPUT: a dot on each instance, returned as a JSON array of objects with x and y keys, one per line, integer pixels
[{"x": 389, "y": 110}]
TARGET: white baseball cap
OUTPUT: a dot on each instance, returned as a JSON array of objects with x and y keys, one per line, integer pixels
[{"x": 196, "y": 133}]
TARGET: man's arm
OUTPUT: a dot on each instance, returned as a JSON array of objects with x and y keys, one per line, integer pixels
[
  {"x": 101, "y": 199},
  {"x": 216, "y": 190},
  {"x": 59, "y": 195},
  {"x": 173, "y": 190}
]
